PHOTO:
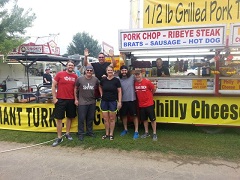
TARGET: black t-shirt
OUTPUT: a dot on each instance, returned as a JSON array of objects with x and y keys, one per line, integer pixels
[
  {"x": 110, "y": 89},
  {"x": 100, "y": 69},
  {"x": 48, "y": 78},
  {"x": 163, "y": 70}
]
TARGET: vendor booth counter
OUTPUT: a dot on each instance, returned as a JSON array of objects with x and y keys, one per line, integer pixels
[
  {"x": 211, "y": 100},
  {"x": 228, "y": 86},
  {"x": 206, "y": 102},
  {"x": 183, "y": 85}
]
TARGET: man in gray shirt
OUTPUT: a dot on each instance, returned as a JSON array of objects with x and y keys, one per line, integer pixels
[
  {"x": 129, "y": 106},
  {"x": 85, "y": 100}
]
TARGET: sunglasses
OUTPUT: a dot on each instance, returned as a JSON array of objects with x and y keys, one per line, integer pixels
[
  {"x": 100, "y": 57},
  {"x": 89, "y": 70}
]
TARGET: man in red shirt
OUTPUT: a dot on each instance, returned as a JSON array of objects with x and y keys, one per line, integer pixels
[
  {"x": 64, "y": 100},
  {"x": 144, "y": 91}
]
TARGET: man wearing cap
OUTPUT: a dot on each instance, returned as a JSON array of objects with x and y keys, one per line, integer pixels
[
  {"x": 144, "y": 90},
  {"x": 84, "y": 92},
  {"x": 100, "y": 67},
  {"x": 128, "y": 100},
  {"x": 47, "y": 78}
]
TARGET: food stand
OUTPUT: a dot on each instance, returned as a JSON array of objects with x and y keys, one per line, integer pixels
[
  {"x": 37, "y": 115},
  {"x": 211, "y": 100}
]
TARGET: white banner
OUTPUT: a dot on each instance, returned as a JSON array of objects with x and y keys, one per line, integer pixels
[{"x": 192, "y": 37}]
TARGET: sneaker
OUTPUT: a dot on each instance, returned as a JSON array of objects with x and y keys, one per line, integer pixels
[
  {"x": 81, "y": 137},
  {"x": 69, "y": 137},
  {"x": 136, "y": 135},
  {"x": 57, "y": 142},
  {"x": 154, "y": 137},
  {"x": 124, "y": 132},
  {"x": 145, "y": 135}
]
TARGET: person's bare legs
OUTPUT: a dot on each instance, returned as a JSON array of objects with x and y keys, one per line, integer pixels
[
  {"x": 68, "y": 125},
  {"x": 154, "y": 127},
  {"x": 135, "y": 121},
  {"x": 112, "y": 119},
  {"x": 59, "y": 128},
  {"x": 145, "y": 123},
  {"x": 124, "y": 120},
  {"x": 106, "y": 122}
]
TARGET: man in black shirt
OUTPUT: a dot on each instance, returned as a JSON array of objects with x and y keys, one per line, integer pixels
[
  {"x": 161, "y": 70},
  {"x": 99, "y": 67},
  {"x": 47, "y": 78}
]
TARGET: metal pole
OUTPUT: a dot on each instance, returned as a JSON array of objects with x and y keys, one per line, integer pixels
[{"x": 27, "y": 68}]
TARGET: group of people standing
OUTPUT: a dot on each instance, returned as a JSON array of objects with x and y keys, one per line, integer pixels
[{"x": 117, "y": 94}]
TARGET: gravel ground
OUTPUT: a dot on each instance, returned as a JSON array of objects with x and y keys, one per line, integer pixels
[{"x": 46, "y": 162}]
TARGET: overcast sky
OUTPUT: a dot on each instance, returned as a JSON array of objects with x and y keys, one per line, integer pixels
[{"x": 100, "y": 18}]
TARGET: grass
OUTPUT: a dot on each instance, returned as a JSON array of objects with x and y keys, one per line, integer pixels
[{"x": 179, "y": 140}]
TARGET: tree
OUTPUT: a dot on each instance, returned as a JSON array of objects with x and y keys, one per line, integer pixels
[
  {"x": 13, "y": 25},
  {"x": 81, "y": 41}
]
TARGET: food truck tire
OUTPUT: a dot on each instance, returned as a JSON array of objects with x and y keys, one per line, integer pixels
[
  {"x": 212, "y": 129},
  {"x": 191, "y": 74}
]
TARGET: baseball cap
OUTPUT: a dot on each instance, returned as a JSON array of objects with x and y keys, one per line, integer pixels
[
  {"x": 47, "y": 69},
  {"x": 89, "y": 67},
  {"x": 123, "y": 67}
]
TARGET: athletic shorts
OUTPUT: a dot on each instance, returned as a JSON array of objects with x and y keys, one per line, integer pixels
[
  {"x": 147, "y": 112},
  {"x": 108, "y": 106},
  {"x": 128, "y": 108},
  {"x": 65, "y": 106}
]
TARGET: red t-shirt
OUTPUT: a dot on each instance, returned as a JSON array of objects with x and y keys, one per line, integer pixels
[
  {"x": 144, "y": 92},
  {"x": 65, "y": 85}
]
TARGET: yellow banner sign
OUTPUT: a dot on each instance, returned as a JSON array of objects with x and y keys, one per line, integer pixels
[
  {"x": 198, "y": 110},
  {"x": 200, "y": 84},
  {"x": 163, "y": 13},
  {"x": 37, "y": 117},
  {"x": 168, "y": 109},
  {"x": 230, "y": 84}
]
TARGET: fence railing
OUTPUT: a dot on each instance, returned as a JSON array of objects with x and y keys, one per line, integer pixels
[{"x": 34, "y": 93}]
